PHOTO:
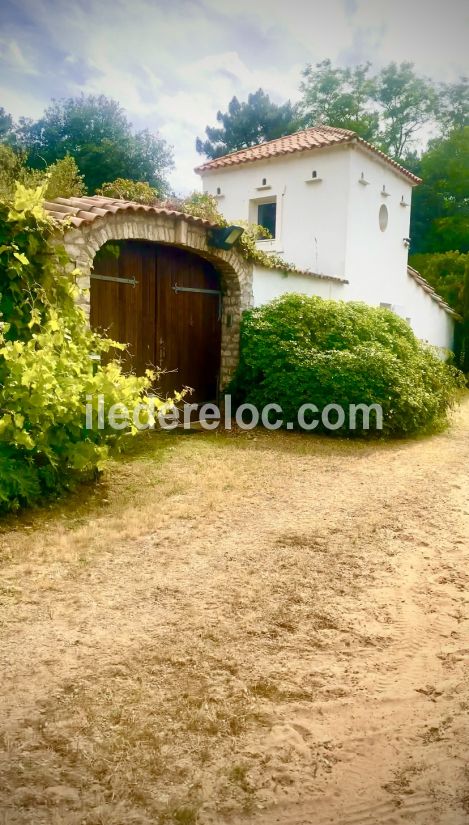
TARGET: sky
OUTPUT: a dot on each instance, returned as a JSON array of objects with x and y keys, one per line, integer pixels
[{"x": 172, "y": 64}]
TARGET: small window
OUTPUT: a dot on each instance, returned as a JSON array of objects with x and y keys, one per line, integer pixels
[
  {"x": 383, "y": 217},
  {"x": 314, "y": 173},
  {"x": 218, "y": 190},
  {"x": 264, "y": 181},
  {"x": 266, "y": 216}
]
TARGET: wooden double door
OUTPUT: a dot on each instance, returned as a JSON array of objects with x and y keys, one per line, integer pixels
[{"x": 165, "y": 304}]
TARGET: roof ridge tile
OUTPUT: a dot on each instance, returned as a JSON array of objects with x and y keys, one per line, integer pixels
[{"x": 313, "y": 137}]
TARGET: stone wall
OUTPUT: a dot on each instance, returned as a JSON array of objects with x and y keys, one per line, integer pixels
[{"x": 83, "y": 242}]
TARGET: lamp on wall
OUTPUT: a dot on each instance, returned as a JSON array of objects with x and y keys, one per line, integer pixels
[{"x": 224, "y": 237}]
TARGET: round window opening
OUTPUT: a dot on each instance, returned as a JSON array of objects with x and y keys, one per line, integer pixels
[{"x": 383, "y": 217}]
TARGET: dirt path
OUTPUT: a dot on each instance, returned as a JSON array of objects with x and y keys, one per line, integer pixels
[{"x": 268, "y": 628}]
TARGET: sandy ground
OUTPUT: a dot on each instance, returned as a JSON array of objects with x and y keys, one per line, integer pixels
[{"x": 265, "y": 628}]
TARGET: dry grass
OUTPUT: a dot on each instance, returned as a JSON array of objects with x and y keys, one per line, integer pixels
[{"x": 190, "y": 639}]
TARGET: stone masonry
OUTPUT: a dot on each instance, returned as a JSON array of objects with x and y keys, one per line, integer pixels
[{"x": 83, "y": 241}]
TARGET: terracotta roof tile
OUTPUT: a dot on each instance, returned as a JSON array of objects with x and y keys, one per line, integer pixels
[
  {"x": 87, "y": 209},
  {"x": 316, "y": 137},
  {"x": 420, "y": 280}
]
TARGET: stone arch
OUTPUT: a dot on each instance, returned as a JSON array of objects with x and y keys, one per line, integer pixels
[{"x": 96, "y": 220}]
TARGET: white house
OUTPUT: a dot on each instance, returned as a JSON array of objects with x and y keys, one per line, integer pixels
[{"x": 338, "y": 210}]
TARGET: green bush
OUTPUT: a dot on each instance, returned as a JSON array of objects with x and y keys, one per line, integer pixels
[
  {"x": 129, "y": 190},
  {"x": 60, "y": 179},
  {"x": 448, "y": 273},
  {"x": 46, "y": 373},
  {"x": 298, "y": 350}
]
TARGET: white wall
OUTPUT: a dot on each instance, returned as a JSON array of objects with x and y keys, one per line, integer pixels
[
  {"x": 312, "y": 217},
  {"x": 331, "y": 227},
  {"x": 376, "y": 261},
  {"x": 428, "y": 320},
  {"x": 270, "y": 283}
]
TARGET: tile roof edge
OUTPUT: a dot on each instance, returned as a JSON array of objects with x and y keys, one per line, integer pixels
[
  {"x": 427, "y": 287},
  {"x": 343, "y": 136},
  {"x": 61, "y": 209},
  {"x": 207, "y": 165},
  {"x": 294, "y": 271}
]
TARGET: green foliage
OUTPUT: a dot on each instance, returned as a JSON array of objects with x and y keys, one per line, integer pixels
[
  {"x": 203, "y": 205},
  {"x": 248, "y": 123},
  {"x": 448, "y": 273},
  {"x": 454, "y": 105},
  {"x": 96, "y": 132},
  {"x": 46, "y": 372},
  {"x": 297, "y": 350},
  {"x": 339, "y": 97},
  {"x": 61, "y": 179},
  {"x": 129, "y": 190},
  {"x": 464, "y": 332},
  {"x": 406, "y": 102},
  {"x": 6, "y": 125},
  {"x": 11, "y": 167},
  {"x": 247, "y": 245},
  {"x": 440, "y": 215},
  {"x": 388, "y": 108}
]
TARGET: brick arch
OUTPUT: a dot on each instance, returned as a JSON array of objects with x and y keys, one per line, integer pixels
[{"x": 95, "y": 221}]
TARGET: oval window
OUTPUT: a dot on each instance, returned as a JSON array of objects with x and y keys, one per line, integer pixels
[{"x": 383, "y": 217}]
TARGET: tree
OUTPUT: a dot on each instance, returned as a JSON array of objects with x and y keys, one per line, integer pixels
[
  {"x": 129, "y": 190},
  {"x": 60, "y": 179},
  {"x": 97, "y": 133},
  {"x": 340, "y": 97},
  {"x": 11, "y": 164},
  {"x": 247, "y": 124},
  {"x": 454, "y": 104},
  {"x": 448, "y": 273},
  {"x": 387, "y": 109},
  {"x": 46, "y": 373},
  {"x": 406, "y": 103},
  {"x": 440, "y": 214},
  {"x": 63, "y": 180},
  {"x": 6, "y": 125}
]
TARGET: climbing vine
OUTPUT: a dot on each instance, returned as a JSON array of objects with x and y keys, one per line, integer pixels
[{"x": 47, "y": 374}]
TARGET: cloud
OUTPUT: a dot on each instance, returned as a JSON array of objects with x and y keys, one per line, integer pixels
[
  {"x": 172, "y": 65},
  {"x": 13, "y": 59}
]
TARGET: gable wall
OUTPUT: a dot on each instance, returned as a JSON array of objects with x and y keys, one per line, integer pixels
[
  {"x": 312, "y": 216},
  {"x": 376, "y": 261},
  {"x": 332, "y": 227}
]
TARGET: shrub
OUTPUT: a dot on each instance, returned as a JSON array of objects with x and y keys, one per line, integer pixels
[
  {"x": 448, "y": 273},
  {"x": 203, "y": 205},
  {"x": 60, "y": 179},
  {"x": 63, "y": 180},
  {"x": 46, "y": 372},
  {"x": 297, "y": 350},
  {"x": 129, "y": 190},
  {"x": 11, "y": 165}
]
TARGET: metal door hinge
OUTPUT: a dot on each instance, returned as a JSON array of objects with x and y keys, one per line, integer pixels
[
  {"x": 114, "y": 279},
  {"x": 217, "y": 292}
]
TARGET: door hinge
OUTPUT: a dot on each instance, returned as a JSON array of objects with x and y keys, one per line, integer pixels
[
  {"x": 114, "y": 280},
  {"x": 217, "y": 292},
  {"x": 177, "y": 288}
]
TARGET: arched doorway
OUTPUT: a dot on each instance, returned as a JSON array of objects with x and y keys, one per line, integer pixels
[
  {"x": 165, "y": 304},
  {"x": 91, "y": 222}
]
